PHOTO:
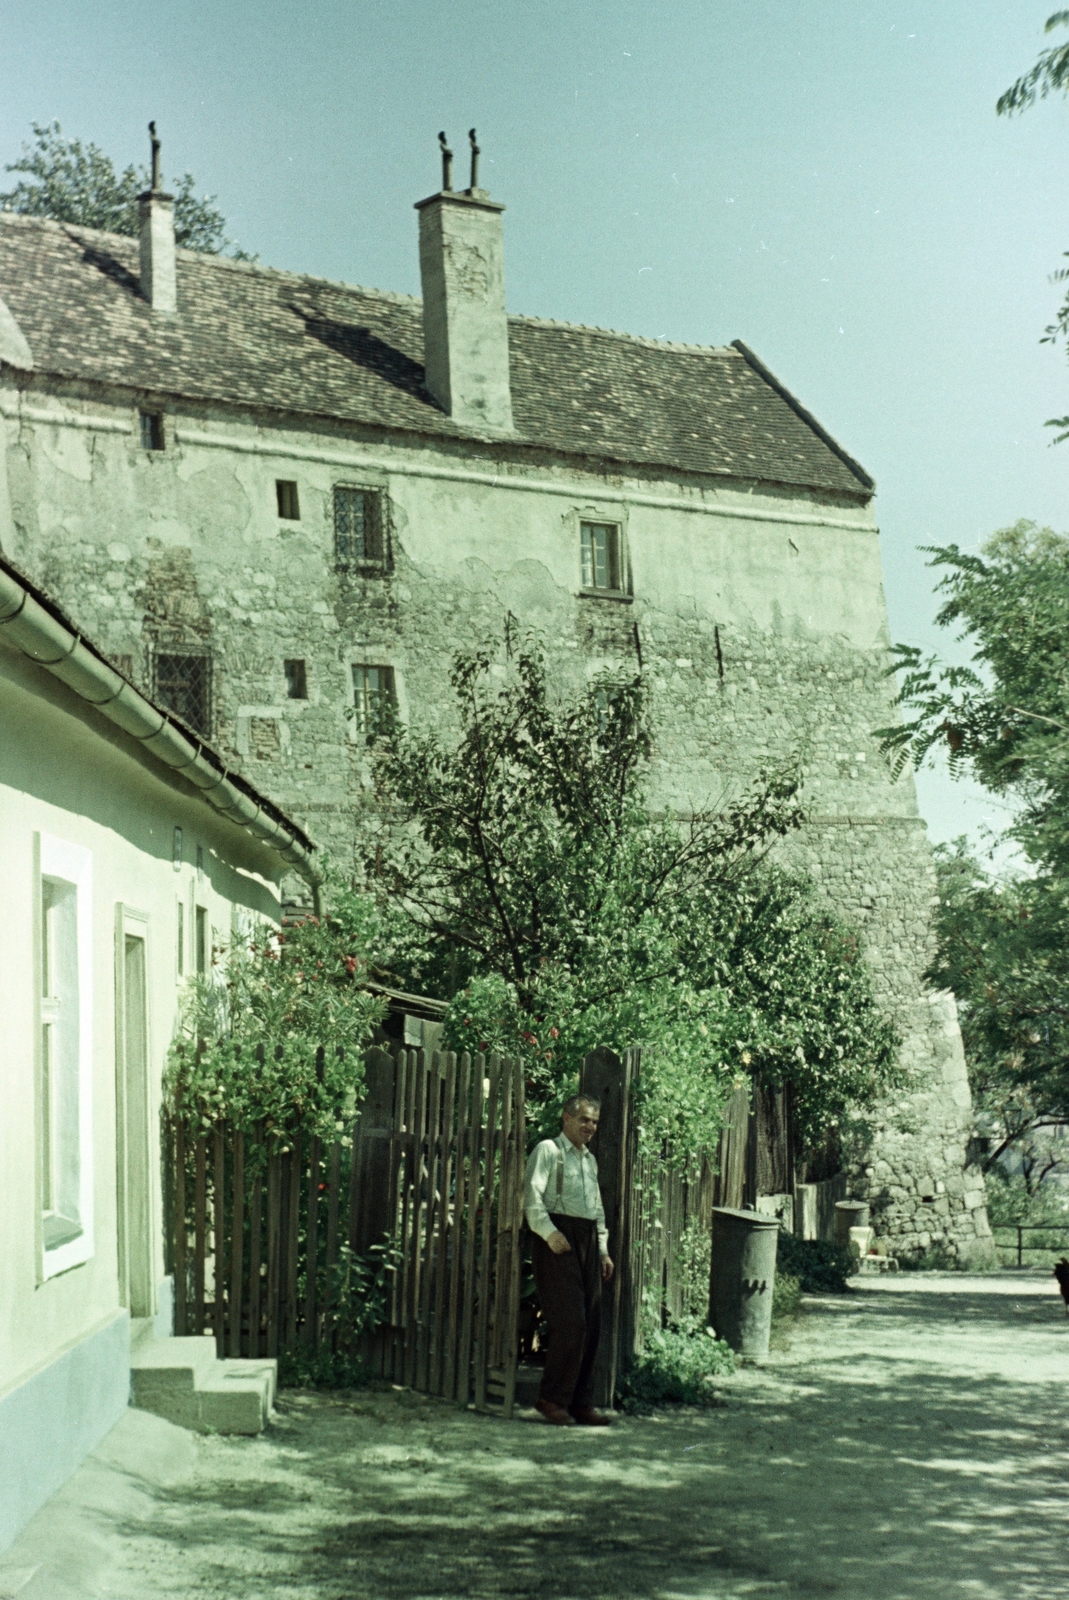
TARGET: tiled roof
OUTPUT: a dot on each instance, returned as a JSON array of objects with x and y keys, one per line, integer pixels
[{"x": 250, "y": 336}]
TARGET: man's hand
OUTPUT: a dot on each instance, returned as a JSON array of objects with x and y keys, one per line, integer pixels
[
  {"x": 607, "y": 1268},
  {"x": 558, "y": 1243}
]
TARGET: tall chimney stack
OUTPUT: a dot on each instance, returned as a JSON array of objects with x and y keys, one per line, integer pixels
[
  {"x": 158, "y": 280},
  {"x": 465, "y": 330}
]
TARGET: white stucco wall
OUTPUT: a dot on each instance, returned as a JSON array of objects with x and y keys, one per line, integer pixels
[{"x": 68, "y": 778}]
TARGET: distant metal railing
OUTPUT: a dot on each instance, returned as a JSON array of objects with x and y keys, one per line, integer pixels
[{"x": 1022, "y": 1228}]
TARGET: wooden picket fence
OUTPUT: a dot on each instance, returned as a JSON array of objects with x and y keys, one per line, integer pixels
[{"x": 261, "y": 1248}]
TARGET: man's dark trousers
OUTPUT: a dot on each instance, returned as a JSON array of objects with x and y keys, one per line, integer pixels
[{"x": 569, "y": 1289}]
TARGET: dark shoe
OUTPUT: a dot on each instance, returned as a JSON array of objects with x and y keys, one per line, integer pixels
[
  {"x": 591, "y": 1418},
  {"x": 555, "y": 1414}
]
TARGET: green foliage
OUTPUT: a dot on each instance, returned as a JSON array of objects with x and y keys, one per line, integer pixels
[
  {"x": 786, "y": 1296},
  {"x": 273, "y": 1039},
  {"x": 358, "y": 1305},
  {"x": 1010, "y": 1199},
  {"x": 77, "y": 183},
  {"x": 325, "y": 1368},
  {"x": 561, "y": 913},
  {"x": 1002, "y": 945},
  {"x": 1049, "y": 75},
  {"x": 819, "y": 1265},
  {"x": 677, "y": 1367}
]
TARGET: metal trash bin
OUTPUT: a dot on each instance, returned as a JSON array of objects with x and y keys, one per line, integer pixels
[{"x": 740, "y": 1279}]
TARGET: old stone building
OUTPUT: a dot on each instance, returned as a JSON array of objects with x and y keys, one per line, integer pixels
[{"x": 275, "y": 499}]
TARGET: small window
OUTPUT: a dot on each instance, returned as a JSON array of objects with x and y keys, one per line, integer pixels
[
  {"x": 288, "y": 505},
  {"x": 204, "y": 940},
  {"x": 602, "y": 567},
  {"x": 181, "y": 939},
  {"x": 359, "y": 536},
  {"x": 151, "y": 430},
  {"x": 373, "y": 696},
  {"x": 183, "y": 685},
  {"x": 296, "y": 680}
]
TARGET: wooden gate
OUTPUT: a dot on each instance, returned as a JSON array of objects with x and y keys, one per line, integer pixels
[{"x": 263, "y": 1247}]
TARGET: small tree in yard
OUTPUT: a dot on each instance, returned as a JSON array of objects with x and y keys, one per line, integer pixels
[{"x": 561, "y": 912}]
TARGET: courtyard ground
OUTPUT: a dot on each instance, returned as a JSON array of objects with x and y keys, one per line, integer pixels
[{"x": 909, "y": 1441}]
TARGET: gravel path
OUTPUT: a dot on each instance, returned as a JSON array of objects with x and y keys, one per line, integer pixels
[{"x": 909, "y": 1442}]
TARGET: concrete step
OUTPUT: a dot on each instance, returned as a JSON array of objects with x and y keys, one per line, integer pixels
[{"x": 184, "y": 1381}]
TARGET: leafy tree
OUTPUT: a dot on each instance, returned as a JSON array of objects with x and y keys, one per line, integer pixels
[
  {"x": 561, "y": 912},
  {"x": 1049, "y": 75},
  {"x": 77, "y": 183},
  {"x": 1002, "y": 942}
]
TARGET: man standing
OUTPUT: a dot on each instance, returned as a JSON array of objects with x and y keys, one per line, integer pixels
[{"x": 570, "y": 1254}]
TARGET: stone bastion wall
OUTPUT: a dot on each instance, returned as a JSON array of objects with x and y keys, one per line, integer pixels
[{"x": 758, "y": 619}]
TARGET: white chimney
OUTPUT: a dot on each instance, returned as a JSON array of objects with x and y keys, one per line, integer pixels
[
  {"x": 465, "y": 330},
  {"x": 158, "y": 280}
]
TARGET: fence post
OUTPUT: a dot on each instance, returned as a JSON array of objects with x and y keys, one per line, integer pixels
[
  {"x": 1020, "y": 1245},
  {"x": 608, "y": 1077}
]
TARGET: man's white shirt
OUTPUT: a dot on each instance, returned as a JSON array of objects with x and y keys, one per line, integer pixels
[{"x": 579, "y": 1192}]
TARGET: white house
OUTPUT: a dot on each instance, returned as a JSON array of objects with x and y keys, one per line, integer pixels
[{"x": 126, "y": 850}]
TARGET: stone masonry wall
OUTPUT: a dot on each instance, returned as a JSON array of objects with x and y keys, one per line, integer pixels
[{"x": 763, "y": 639}]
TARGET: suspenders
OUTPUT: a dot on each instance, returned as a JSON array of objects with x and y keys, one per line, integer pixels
[{"x": 560, "y": 1175}]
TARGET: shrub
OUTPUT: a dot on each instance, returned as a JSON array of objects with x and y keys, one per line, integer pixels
[
  {"x": 676, "y": 1368},
  {"x": 820, "y": 1266},
  {"x": 303, "y": 1368},
  {"x": 786, "y": 1296}
]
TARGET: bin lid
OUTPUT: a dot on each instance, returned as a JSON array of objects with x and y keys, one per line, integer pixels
[{"x": 754, "y": 1219}]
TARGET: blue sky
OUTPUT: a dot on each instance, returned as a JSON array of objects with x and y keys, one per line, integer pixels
[{"x": 828, "y": 182}]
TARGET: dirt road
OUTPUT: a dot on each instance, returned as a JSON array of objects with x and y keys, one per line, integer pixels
[{"x": 911, "y": 1443}]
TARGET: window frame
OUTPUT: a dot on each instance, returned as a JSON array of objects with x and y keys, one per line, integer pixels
[
  {"x": 182, "y": 653},
  {"x": 59, "y": 861},
  {"x": 288, "y": 493},
  {"x": 370, "y": 566},
  {"x": 618, "y": 563},
  {"x": 156, "y": 431},
  {"x": 362, "y": 717}
]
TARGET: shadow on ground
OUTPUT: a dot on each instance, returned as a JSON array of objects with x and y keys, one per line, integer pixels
[{"x": 910, "y": 1443}]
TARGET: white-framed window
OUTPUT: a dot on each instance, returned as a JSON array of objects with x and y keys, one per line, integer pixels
[{"x": 65, "y": 1071}]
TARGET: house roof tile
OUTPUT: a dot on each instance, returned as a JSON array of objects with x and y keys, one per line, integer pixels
[{"x": 251, "y": 336}]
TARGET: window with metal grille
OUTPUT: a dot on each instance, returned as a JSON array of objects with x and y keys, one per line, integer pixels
[
  {"x": 151, "y": 430},
  {"x": 373, "y": 696},
  {"x": 184, "y": 686},
  {"x": 359, "y": 536},
  {"x": 602, "y": 567},
  {"x": 288, "y": 505},
  {"x": 296, "y": 680}
]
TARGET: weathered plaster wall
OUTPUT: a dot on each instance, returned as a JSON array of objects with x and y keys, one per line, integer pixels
[{"x": 759, "y": 617}]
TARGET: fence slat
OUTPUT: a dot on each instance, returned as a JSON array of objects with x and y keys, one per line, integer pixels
[
  {"x": 324, "y": 1328},
  {"x": 218, "y": 1239},
  {"x": 417, "y": 1218},
  {"x": 199, "y": 1230},
  {"x": 181, "y": 1286},
  {"x": 311, "y": 1268},
  {"x": 440, "y": 1341},
  {"x": 486, "y": 1236},
  {"x": 237, "y": 1243},
  {"x": 274, "y": 1229},
  {"x": 425, "y": 1332},
  {"x": 256, "y": 1342},
  {"x": 293, "y": 1214},
  {"x": 462, "y": 1085}
]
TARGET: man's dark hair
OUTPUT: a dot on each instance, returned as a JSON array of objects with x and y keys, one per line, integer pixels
[{"x": 574, "y": 1101}]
